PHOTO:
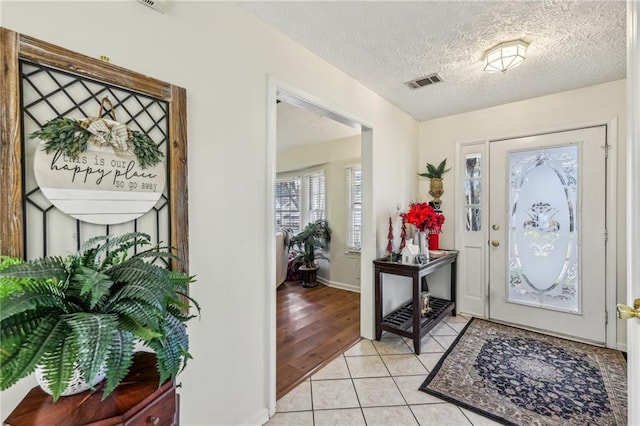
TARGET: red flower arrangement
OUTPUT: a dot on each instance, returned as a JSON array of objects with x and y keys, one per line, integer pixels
[{"x": 424, "y": 217}]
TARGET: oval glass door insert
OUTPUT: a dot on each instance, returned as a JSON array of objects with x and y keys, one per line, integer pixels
[{"x": 543, "y": 239}]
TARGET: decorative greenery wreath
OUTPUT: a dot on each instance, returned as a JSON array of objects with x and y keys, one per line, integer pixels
[{"x": 71, "y": 136}]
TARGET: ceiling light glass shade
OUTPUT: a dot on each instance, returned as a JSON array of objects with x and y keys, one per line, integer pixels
[{"x": 505, "y": 56}]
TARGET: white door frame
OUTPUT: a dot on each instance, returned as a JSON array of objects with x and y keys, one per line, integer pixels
[
  {"x": 611, "y": 201},
  {"x": 278, "y": 90},
  {"x": 633, "y": 208}
]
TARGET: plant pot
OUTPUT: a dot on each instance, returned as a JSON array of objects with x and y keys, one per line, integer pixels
[
  {"x": 436, "y": 190},
  {"x": 309, "y": 275},
  {"x": 77, "y": 383}
]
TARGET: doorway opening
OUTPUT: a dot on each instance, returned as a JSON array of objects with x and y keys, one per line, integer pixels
[{"x": 316, "y": 156}]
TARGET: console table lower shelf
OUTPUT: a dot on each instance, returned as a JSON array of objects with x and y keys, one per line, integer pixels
[{"x": 400, "y": 321}]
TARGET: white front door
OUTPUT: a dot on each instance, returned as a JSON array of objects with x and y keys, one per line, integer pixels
[
  {"x": 633, "y": 207},
  {"x": 547, "y": 232}
]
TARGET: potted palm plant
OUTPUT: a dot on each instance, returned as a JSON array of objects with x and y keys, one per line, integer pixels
[
  {"x": 308, "y": 245},
  {"x": 85, "y": 313},
  {"x": 435, "y": 175}
]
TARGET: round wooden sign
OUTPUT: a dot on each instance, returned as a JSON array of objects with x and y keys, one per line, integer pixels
[{"x": 99, "y": 186}]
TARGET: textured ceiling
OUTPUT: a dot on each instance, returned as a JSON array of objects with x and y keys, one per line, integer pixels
[
  {"x": 573, "y": 44},
  {"x": 297, "y": 126}
]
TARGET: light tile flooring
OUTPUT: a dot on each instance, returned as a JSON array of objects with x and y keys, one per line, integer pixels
[{"x": 376, "y": 383}]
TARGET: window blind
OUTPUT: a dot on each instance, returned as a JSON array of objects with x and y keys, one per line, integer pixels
[
  {"x": 354, "y": 208},
  {"x": 316, "y": 196},
  {"x": 287, "y": 200}
]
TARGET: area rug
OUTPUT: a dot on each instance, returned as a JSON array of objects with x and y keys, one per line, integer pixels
[{"x": 518, "y": 377}]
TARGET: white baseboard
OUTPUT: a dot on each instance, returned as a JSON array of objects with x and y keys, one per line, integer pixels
[
  {"x": 339, "y": 285},
  {"x": 259, "y": 419},
  {"x": 621, "y": 347}
]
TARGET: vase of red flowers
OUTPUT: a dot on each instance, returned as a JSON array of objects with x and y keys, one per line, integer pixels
[
  {"x": 425, "y": 218},
  {"x": 423, "y": 248}
]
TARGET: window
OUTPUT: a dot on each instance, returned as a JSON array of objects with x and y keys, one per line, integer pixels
[
  {"x": 472, "y": 192},
  {"x": 315, "y": 190},
  {"x": 300, "y": 199},
  {"x": 354, "y": 208},
  {"x": 288, "y": 203}
]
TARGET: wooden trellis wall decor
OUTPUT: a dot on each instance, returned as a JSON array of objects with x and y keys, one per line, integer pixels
[{"x": 40, "y": 82}]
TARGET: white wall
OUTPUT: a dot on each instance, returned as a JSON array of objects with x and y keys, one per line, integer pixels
[
  {"x": 595, "y": 104},
  {"x": 223, "y": 57},
  {"x": 343, "y": 270}
]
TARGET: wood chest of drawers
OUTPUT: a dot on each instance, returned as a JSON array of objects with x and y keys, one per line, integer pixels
[{"x": 137, "y": 401}]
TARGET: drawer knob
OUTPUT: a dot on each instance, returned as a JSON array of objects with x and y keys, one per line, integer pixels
[{"x": 154, "y": 420}]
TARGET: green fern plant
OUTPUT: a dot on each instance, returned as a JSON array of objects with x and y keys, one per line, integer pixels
[
  {"x": 434, "y": 172},
  {"x": 90, "y": 309}
]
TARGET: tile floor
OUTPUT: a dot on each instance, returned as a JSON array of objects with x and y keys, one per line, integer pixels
[{"x": 376, "y": 383}]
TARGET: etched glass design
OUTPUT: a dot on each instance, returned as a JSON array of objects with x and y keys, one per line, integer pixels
[
  {"x": 473, "y": 218},
  {"x": 473, "y": 191},
  {"x": 543, "y": 223},
  {"x": 473, "y": 163}
]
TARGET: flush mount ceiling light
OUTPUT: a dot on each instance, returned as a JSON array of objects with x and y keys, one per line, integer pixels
[{"x": 504, "y": 56}]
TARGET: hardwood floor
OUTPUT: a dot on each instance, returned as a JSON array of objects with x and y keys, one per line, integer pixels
[{"x": 314, "y": 325}]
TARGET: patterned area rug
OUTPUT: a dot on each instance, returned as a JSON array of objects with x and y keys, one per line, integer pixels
[{"x": 518, "y": 377}]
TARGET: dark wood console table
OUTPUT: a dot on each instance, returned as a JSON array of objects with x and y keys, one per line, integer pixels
[
  {"x": 406, "y": 320},
  {"x": 136, "y": 401}
]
